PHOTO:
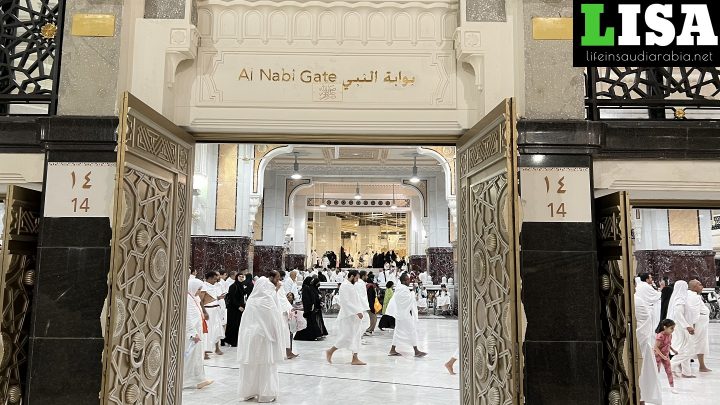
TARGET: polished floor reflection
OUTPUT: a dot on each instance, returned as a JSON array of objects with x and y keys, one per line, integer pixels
[
  {"x": 308, "y": 379},
  {"x": 703, "y": 390}
]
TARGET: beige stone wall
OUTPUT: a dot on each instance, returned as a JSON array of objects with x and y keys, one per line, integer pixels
[{"x": 553, "y": 88}]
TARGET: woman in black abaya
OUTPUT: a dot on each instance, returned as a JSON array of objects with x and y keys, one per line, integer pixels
[
  {"x": 235, "y": 302},
  {"x": 312, "y": 311}
]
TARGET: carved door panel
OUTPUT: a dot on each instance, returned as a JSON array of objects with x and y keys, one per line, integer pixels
[
  {"x": 149, "y": 267},
  {"x": 617, "y": 289},
  {"x": 488, "y": 261},
  {"x": 17, "y": 276}
]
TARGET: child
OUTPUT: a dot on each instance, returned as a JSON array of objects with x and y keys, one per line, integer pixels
[
  {"x": 663, "y": 347},
  {"x": 296, "y": 322}
]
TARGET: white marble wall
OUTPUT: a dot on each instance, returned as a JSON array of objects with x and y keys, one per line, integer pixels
[
  {"x": 205, "y": 188},
  {"x": 651, "y": 231},
  {"x": 439, "y": 231},
  {"x": 328, "y": 233}
]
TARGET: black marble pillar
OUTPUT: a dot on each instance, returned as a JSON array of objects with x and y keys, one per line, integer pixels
[
  {"x": 66, "y": 342},
  {"x": 560, "y": 295}
]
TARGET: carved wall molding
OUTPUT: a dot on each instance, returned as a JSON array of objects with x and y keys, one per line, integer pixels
[
  {"x": 292, "y": 186},
  {"x": 482, "y": 153},
  {"x": 361, "y": 203},
  {"x": 422, "y": 188},
  {"x": 384, "y": 23}
]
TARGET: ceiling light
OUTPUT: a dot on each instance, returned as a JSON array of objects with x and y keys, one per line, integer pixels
[
  {"x": 357, "y": 192},
  {"x": 296, "y": 170},
  {"x": 414, "y": 179}
]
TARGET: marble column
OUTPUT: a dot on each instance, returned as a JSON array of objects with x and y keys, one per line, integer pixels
[
  {"x": 295, "y": 261},
  {"x": 440, "y": 263},
  {"x": 418, "y": 260},
  {"x": 678, "y": 265},
  {"x": 563, "y": 347},
  {"x": 66, "y": 342},
  {"x": 266, "y": 259},
  {"x": 221, "y": 253}
]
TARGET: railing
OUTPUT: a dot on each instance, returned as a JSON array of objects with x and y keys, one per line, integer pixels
[
  {"x": 652, "y": 93},
  {"x": 30, "y": 38}
]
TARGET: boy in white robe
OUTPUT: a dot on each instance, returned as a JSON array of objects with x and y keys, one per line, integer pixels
[
  {"x": 211, "y": 295},
  {"x": 193, "y": 368},
  {"x": 285, "y": 307},
  {"x": 403, "y": 308},
  {"x": 349, "y": 319},
  {"x": 361, "y": 287},
  {"x": 263, "y": 331}
]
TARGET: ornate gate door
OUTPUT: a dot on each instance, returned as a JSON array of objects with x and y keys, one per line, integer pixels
[
  {"x": 488, "y": 261},
  {"x": 17, "y": 276},
  {"x": 142, "y": 360},
  {"x": 617, "y": 290}
]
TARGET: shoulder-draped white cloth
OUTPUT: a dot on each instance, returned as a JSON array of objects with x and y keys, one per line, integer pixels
[
  {"x": 651, "y": 298},
  {"x": 684, "y": 316},
  {"x": 261, "y": 342},
  {"x": 649, "y": 381},
  {"x": 349, "y": 326},
  {"x": 403, "y": 307},
  {"x": 700, "y": 339},
  {"x": 285, "y": 307},
  {"x": 216, "y": 315}
]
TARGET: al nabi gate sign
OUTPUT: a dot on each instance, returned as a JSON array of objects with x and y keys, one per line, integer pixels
[{"x": 646, "y": 33}]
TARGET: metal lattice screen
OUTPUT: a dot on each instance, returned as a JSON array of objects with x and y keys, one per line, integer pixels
[{"x": 30, "y": 37}]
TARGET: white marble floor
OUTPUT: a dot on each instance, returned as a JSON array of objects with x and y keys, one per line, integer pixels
[
  {"x": 400, "y": 380},
  {"x": 703, "y": 390},
  {"x": 309, "y": 379}
]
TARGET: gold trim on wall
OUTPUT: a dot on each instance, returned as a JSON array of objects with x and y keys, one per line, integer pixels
[
  {"x": 226, "y": 191},
  {"x": 683, "y": 227},
  {"x": 552, "y": 28}
]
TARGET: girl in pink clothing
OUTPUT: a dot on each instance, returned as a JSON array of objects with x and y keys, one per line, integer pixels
[{"x": 663, "y": 347}]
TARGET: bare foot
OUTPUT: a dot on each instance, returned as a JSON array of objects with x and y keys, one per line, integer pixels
[
  {"x": 207, "y": 357},
  {"x": 328, "y": 356},
  {"x": 449, "y": 368},
  {"x": 357, "y": 362},
  {"x": 292, "y": 356},
  {"x": 705, "y": 370},
  {"x": 204, "y": 384},
  {"x": 420, "y": 354},
  {"x": 687, "y": 376},
  {"x": 394, "y": 353},
  {"x": 219, "y": 352}
]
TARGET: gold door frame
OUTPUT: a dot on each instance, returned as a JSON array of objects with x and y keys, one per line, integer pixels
[
  {"x": 17, "y": 277},
  {"x": 142, "y": 358},
  {"x": 617, "y": 276},
  {"x": 488, "y": 261}
]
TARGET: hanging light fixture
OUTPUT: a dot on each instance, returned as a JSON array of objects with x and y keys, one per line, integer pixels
[
  {"x": 414, "y": 179},
  {"x": 322, "y": 203},
  {"x": 357, "y": 191},
  {"x": 296, "y": 169},
  {"x": 394, "y": 206}
]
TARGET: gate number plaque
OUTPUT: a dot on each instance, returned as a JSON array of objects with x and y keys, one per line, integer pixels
[
  {"x": 79, "y": 189},
  {"x": 555, "y": 194}
]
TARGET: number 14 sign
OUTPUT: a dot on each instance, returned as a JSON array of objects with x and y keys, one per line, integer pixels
[
  {"x": 79, "y": 189},
  {"x": 555, "y": 194}
]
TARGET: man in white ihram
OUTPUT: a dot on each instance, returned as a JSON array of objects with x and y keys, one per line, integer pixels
[
  {"x": 685, "y": 316},
  {"x": 403, "y": 308},
  {"x": 349, "y": 319},
  {"x": 649, "y": 381},
  {"x": 700, "y": 338},
  {"x": 650, "y": 296},
  {"x": 361, "y": 287},
  {"x": 193, "y": 368},
  {"x": 263, "y": 333}
]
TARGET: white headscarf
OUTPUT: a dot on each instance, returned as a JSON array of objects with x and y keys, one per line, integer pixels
[{"x": 680, "y": 297}]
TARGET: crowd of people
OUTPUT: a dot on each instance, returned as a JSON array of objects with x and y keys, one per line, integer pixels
[
  {"x": 263, "y": 316},
  {"x": 672, "y": 332}
]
